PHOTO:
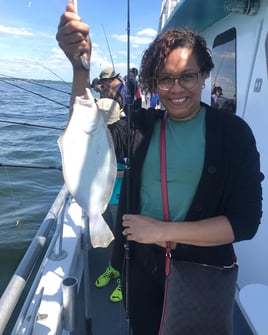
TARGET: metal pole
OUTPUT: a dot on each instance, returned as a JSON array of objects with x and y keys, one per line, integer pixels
[
  {"x": 69, "y": 300},
  {"x": 86, "y": 239},
  {"x": 58, "y": 252}
]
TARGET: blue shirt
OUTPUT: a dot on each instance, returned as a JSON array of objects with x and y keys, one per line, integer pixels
[{"x": 117, "y": 186}]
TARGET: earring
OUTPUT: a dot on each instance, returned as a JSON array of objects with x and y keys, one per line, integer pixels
[{"x": 203, "y": 86}]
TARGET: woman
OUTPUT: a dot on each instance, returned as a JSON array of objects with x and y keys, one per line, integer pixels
[{"x": 213, "y": 172}]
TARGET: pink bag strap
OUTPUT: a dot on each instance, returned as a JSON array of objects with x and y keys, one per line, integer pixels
[{"x": 163, "y": 173}]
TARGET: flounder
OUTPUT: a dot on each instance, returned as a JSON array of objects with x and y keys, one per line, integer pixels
[{"x": 89, "y": 164}]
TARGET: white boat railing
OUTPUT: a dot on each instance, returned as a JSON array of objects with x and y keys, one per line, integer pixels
[{"x": 14, "y": 290}]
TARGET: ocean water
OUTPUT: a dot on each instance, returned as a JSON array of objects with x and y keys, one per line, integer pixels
[{"x": 26, "y": 194}]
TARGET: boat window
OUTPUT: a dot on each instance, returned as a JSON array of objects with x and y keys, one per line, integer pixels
[{"x": 223, "y": 76}]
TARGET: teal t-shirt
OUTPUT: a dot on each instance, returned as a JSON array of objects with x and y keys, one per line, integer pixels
[{"x": 185, "y": 150}]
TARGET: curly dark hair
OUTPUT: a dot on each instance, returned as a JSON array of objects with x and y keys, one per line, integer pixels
[{"x": 161, "y": 47}]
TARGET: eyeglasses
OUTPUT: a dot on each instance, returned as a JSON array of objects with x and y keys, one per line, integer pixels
[
  {"x": 106, "y": 80},
  {"x": 186, "y": 80}
]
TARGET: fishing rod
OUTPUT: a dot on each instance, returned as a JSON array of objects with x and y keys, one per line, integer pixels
[
  {"x": 38, "y": 94},
  {"x": 26, "y": 123},
  {"x": 30, "y": 124},
  {"x": 31, "y": 166},
  {"x": 108, "y": 45},
  {"x": 128, "y": 167},
  {"x": 55, "y": 74},
  {"x": 35, "y": 83}
]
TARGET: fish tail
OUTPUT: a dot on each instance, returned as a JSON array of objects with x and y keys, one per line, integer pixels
[{"x": 100, "y": 233}]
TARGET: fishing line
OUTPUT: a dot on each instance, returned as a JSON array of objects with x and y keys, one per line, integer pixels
[
  {"x": 31, "y": 166},
  {"x": 35, "y": 93},
  {"x": 30, "y": 124},
  {"x": 35, "y": 83},
  {"x": 55, "y": 74},
  {"x": 16, "y": 200},
  {"x": 108, "y": 45}
]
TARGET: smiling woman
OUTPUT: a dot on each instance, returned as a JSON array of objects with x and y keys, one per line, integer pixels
[
  {"x": 200, "y": 229},
  {"x": 212, "y": 180}
]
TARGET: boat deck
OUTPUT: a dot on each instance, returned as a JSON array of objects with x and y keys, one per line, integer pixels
[{"x": 108, "y": 317}]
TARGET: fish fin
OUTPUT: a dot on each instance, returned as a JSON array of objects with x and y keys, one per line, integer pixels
[
  {"x": 88, "y": 95},
  {"x": 100, "y": 233}
]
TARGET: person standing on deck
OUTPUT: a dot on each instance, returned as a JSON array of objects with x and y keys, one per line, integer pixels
[
  {"x": 133, "y": 76},
  {"x": 111, "y": 89}
]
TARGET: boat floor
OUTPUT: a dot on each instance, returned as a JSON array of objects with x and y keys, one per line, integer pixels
[{"x": 108, "y": 317}]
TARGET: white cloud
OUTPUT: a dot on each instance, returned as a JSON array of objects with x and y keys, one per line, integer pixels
[
  {"x": 142, "y": 37},
  {"x": 15, "y": 31},
  {"x": 31, "y": 67},
  {"x": 147, "y": 32},
  {"x": 39, "y": 59},
  {"x": 94, "y": 45}
]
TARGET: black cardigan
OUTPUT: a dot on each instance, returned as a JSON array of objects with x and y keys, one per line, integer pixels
[{"x": 230, "y": 183}]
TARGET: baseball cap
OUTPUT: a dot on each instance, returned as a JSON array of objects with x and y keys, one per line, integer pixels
[{"x": 109, "y": 73}]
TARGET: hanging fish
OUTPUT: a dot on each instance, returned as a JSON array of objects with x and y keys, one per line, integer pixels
[{"x": 89, "y": 164}]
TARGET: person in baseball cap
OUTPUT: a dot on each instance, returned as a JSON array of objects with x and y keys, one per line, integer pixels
[
  {"x": 108, "y": 73},
  {"x": 113, "y": 86}
]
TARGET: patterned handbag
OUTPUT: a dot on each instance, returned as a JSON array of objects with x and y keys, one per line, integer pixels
[{"x": 199, "y": 298}]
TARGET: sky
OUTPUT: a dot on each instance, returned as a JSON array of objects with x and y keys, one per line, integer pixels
[{"x": 28, "y": 48}]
